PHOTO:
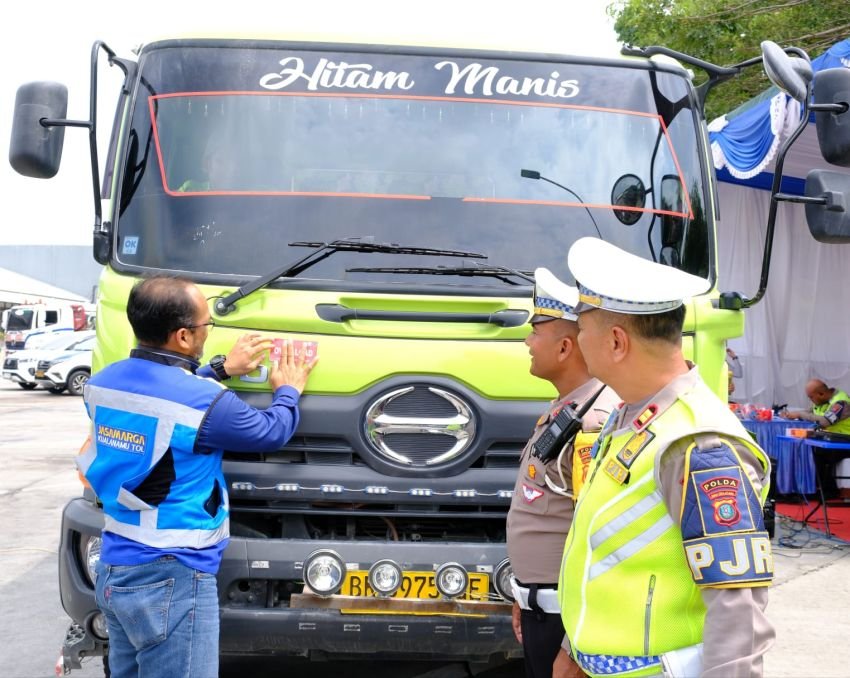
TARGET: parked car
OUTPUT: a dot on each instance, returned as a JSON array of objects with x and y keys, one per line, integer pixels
[
  {"x": 69, "y": 370},
  {"x": 20, "y": 366}
]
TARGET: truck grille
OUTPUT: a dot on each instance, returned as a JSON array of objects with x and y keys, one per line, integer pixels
[{"x": 337, "y": 451}]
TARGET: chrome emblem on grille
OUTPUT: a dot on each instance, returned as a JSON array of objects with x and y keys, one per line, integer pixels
[{"x": 380, "y": 424}]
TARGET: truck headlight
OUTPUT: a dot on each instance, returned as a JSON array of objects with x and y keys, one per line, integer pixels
[
  {"x": 99, "y": 627},
  {"x": 502, "y": 580},
  {"x": 324, "y": 572},
  {"x": 90, "y": 556},
  {"x": 385, "y": 577},
  {"x": 451, "y": 579}
]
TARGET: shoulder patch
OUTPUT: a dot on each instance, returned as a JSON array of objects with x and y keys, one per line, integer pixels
[
  {"x": 530, "y": 494},
  {"x": 722, "y": 521}
]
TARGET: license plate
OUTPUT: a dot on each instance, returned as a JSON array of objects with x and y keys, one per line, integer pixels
[
  {"x": 39, "y": 374},
  {"x": 415, "y": 585}
]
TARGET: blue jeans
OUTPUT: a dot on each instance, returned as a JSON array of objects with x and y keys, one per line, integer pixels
[{"x": 162, "y": 619}]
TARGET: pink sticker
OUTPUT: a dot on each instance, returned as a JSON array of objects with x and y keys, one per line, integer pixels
[
  {"x": 276, "y": 351},
  {"x": 305, "y": 350}
]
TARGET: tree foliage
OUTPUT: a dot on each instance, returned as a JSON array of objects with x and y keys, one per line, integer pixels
[{"x": 727, "y": 32}]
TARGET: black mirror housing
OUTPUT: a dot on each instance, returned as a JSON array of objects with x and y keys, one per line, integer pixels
[
  {"x": 36, "y": 150},
  {"x": 832, "y": 86},
  {"x": 790, "y": 75},
  {"x": 829, "y": 222}
]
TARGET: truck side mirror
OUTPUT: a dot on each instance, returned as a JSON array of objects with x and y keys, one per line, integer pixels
[
  {"x": 629, "y": 191},
  {"x": 792, "y": 76},
  {"x": 36, "y": 150},
  {"x": 832, "y": 86},
  {"x": 829, "y": 222}
]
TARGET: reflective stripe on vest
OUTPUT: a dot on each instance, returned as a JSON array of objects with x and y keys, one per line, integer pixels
[{"x": 628, "y": 549}]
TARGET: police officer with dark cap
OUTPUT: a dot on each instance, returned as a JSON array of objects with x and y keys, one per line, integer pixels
[{"x": 548, "y": 479}]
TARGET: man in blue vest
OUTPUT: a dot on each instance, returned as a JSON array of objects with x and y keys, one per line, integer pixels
[{"x": 160, "y": 424}]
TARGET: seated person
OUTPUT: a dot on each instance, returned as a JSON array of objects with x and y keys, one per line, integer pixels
[{"x": 830, "y": 408}]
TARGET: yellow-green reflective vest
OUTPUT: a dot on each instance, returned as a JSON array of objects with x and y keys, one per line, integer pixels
[
  {"x": 842, "y": 426},
  {"x": 626, "y": 591}
]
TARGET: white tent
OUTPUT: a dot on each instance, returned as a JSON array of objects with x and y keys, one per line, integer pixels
[
  {"x": 20, "y": 289},
  {"x": 801, "y": 328}
]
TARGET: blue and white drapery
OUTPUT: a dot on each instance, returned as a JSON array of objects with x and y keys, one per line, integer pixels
[{"x": 744, "y": 142}]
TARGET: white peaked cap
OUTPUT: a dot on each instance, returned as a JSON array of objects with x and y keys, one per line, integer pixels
[
  {"x": 553, "y": 299},
  {"x": 615, "y": 280}
]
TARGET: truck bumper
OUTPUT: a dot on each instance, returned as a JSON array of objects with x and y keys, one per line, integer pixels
[{"x": 257, "y": 620}]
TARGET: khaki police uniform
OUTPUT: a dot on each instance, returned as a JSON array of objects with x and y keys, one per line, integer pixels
[
  {"x": 542, "y": 505},
  {"x": 539, "y": 517}
]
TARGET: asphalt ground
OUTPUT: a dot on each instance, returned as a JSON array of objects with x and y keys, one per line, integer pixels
[{"x": 40, "y": 434}]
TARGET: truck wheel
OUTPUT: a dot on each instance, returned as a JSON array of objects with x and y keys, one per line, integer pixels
[
  {"x": 77, "y": 381},
  {"x": 27, "y": 386}
]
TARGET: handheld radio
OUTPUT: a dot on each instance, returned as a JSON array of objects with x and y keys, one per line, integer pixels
[{"x": 562, "y": 430}]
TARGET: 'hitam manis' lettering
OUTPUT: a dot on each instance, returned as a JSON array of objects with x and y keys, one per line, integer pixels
[
  {"x": 327, "y": 74},
  {"x": 476, "y": 79}
]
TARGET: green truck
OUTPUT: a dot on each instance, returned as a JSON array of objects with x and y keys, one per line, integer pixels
[{"x": 389, "y": 202}]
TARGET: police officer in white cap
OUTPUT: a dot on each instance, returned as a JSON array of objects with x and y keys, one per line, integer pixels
[
  {"x": 550, "y": 471},
  {"x": 667, "y": 562}
]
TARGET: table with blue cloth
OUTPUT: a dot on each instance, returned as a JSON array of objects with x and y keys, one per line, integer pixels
[{"x": 795, "y": 467}]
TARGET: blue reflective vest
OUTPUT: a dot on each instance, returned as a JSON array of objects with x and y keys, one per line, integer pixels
[{"x": 146, "y": 414}]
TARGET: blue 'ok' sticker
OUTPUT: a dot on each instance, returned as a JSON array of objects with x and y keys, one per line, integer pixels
[{"x": 131, "y": 244}]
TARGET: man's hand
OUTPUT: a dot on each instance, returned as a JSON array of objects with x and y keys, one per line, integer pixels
[
  {"x": 289, "y": 371},
  {"x": 516, "y": 616},
  {"x": 247, "y": 353},
  {"x": 786, "y": 414},
  {"x": 565, "y": 667}
]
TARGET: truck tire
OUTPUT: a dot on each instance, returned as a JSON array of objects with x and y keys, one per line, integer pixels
[
  {"x": 27, "y": 386},
  {"x": 77, "y": 381},
  {"x": 55, "y": 390}
]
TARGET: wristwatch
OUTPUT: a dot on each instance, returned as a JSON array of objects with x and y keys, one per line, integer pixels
[{"x": 217, "y": 364}]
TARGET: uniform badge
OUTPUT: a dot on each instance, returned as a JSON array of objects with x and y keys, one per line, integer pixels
[
  {"x": 530, "y": 494},
  {"x": 634, "y": 447},
  {"x": 615, "y": 470},
  {"x": 532, "y": 471},
  {"x": 645, "y": 417},
  {"x": 722, "y": 492}
]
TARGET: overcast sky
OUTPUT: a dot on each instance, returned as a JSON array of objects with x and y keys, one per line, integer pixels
[{"x": 52, "y": 39}]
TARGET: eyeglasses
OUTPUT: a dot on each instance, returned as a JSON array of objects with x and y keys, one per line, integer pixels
[{"x": 209, "y": 324}]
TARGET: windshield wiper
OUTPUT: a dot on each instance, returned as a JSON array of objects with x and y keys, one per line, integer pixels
[
  {"x": 501, "y": 272},
  {"x": 322, "y": 251}
]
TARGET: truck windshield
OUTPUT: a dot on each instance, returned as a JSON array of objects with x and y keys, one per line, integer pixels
[
  {"x": 20, "y": 319},
  {"x": 233, "y": 153}
]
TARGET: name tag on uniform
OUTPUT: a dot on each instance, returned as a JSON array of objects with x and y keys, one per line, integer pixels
[
  {"x": 614, "y": 469},
  {"x": 634, "y": 447}
]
